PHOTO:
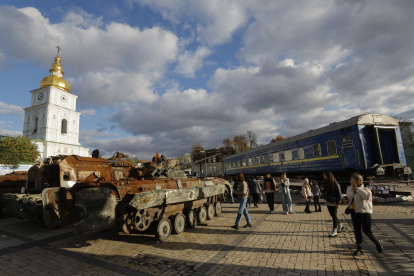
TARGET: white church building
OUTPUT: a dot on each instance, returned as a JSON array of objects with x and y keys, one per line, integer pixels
[{"x": 52, "y": 121}]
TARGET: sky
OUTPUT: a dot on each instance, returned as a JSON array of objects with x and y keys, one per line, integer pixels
[{"x": 158, "y": 76}]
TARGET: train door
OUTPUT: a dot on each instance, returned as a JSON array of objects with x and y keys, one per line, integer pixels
[
  {"x": 386, "y": 145},
  {"x": 349, "y": 157}
]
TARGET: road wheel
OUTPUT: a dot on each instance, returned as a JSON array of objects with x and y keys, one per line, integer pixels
[
  {"x": 163, "y": 229},
  {"x": 202, "y": 214},
  {"x": 218, "y": 208},
  {"x": 179, "y": 223},
  {"x": 192, "y": 219},
  {"x": 210, "y": 211},
  {"x": 142, "y": 219}
]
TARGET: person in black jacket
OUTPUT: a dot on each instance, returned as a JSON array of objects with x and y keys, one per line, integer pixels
[
  {"x": 255, "y": 190},
  {"x": 333, "y": 198}
]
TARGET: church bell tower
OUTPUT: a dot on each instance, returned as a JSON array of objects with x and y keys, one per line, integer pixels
[{"x": 52, "y": 120}]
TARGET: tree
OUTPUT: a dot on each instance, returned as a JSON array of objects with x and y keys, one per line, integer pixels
[
  {"x": 197, "y": 153},
  {"x": 227, "y": 147},
  {"x": 17, "y": 150},
  {"x": 240, "y": 143},
  {"x": 251, "y": 139},
  {"x": 278, "y": 138}
]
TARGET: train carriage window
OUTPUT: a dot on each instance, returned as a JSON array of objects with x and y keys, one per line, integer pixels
[
  {"x": 238, "y": 164},
  {"x": 244, "y": 163},
  {"x": 301, "y": 153},
  {"x": 347, "y": 142},
  {"x": 317, "y": 150},
  {"x": 250, "y": 162},
  {"x": 275, "y": 157},
  {"x": 288, "y": 155},
  {"x": 258, "y": 160},
  {"x": 331, "y": 146}
]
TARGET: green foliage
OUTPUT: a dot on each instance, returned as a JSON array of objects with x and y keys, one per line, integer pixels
[{"x": 17, "y": 150}]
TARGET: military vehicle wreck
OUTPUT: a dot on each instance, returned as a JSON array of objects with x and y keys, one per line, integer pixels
[
  {"x": 12, "y": 183},
  {"x": 94, "y": 194}
]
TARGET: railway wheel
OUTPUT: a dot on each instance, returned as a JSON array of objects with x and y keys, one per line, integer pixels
[
  {"x": 179, "y": 223},
  {"x": 142, "y": 219},
  {"x": 218, "y": 208},
  {"x": 210, "y": 211},
  {"x": 192, "y": 219},
  {"x": 163, "y": 229},
  {"x": 202, "y": 214}
]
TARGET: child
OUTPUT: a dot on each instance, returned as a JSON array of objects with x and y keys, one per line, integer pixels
[
  {"x": 306, "y": 192},
  {"x": 316, "y": 194}
]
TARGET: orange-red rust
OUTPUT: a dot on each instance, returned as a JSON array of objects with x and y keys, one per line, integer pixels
[{"x": 13, "y": 182}]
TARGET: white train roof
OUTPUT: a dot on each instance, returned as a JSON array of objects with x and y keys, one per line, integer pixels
[{"x": 365, "y": 119}]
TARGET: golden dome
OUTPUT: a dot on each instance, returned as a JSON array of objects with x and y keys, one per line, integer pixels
[{"x": 55, "y": 79}]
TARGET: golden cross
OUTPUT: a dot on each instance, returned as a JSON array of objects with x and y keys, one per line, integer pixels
[{"x": 58, "y": 49}]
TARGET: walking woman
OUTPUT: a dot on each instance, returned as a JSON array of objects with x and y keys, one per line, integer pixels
[
  {"x": 254, "y": 189},
  {"x": 243, "y": 193},
  {"x": 333, "y": 198},
  {"x": 306, "y": 192},
  {"x": 283, "y": 184},
  {"x": 316, "y": 194},
  {"x": 359, "y": 198},
  {"x": 269, "y": 187}
]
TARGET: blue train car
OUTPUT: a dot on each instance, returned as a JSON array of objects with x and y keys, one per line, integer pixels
[{"x": 370, "y": 144}]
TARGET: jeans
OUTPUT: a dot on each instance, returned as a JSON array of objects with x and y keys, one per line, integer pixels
[
  {"x": 286, "y": 202},
  {"x": 361, "y": 220},
  {"x": 316, "y": 202},
  {"x": 333, "y": 211},
  {"x": 270, "y": 198},
  {"x": 243, "y": 210},
  {"x": 231, "y": 195}
]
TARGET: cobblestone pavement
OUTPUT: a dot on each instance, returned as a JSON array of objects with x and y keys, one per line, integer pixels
[{"x": 279, "y": 244}]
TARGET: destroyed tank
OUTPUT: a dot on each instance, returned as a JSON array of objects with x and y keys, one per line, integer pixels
[
  {"x": 12, "y": 183},
  {"x": 93, "y": 194}
]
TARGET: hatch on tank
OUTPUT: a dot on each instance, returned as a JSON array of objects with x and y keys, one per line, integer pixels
[{"x": 386, "y": 145}]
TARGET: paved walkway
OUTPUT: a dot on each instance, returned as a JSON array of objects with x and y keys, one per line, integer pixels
[{"x": 277, "y": 244}]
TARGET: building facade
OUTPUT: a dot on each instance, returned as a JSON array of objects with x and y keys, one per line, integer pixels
[{"x": 52, "y": 121}]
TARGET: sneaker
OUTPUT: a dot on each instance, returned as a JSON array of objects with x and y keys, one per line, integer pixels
[
  {"x": 380, "y": 248},
  {"x": 287, "y": 213},
  {"x": 235, "y": 227},
  {"x": 272, "y": 212},
  {"x": 359, "y": 252},
  {"x": 248, "y": 225},
  {"x": 341, "y": 226},
  {"x": 334, "y": 233},
  {"x": 291, "y": 212}
]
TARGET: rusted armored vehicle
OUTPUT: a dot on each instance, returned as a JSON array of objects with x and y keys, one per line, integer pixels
[
  {"x": 12, "y": 183},
  {"x": 94, "y": 194}
]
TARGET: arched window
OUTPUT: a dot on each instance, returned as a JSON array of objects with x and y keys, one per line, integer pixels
[
  {"x": 64, "y": 126},
  {"x": 36, "y": 121}
]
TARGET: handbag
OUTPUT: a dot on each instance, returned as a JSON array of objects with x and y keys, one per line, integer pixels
[
  {"x": 330, "y": 199},
  {"x": 349, "y": 210}
]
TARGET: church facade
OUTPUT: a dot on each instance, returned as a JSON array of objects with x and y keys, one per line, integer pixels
[{"x": 52, "y": 121}]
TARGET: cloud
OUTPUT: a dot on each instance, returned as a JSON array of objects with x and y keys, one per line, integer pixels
[
  {"x": 5, "y": 130},
  {"x": 108, "y": 63},
  {"x": 88, "y": 112},
  {"x": 216, "y": 20},
  {"x": 3, "y": 63},
  {"x": 10, "y": 109},
  {"x": 188, "y": 62},
  {"x": 88, "y": 135}
]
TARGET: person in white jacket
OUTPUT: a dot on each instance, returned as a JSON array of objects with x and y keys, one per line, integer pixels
[
  {"x": 360, "y": 200},
  {"x": 307, "y": 194}
]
